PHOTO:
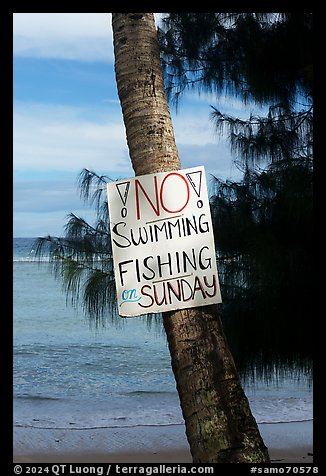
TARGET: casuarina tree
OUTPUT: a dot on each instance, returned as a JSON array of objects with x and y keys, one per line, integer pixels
[{"x": 263, "y": 223}]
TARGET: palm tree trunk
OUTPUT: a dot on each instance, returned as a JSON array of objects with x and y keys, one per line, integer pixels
[
  {"x": 219, "y": 424},
  {"x": 141, "y": 91}
]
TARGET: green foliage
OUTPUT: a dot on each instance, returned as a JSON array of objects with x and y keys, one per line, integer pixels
[
  {"x": 263, "y": 233},
  {"x": 263, "y": 224},
  {"x": 260, "y": 57},
  {"x": 282, "y": 134},
  {"x": 82, "y": 259}
]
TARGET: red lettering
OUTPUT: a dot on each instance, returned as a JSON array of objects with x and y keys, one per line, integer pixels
[
  {"x": 148, "y": 295},
  {"x": 159, "y": 198},
  {"x": 161, "y": 193},
  {"x": 156, "y": 207}
]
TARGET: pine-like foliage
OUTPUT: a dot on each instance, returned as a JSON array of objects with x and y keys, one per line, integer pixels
[
  {"x": 261, "y": 57},
  {"x": 263, "y": 224},
  {"x": 263, "y": 231},
  {"x": 82, "y": 259}
]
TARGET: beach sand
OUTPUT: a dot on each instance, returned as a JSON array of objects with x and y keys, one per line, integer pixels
[
  {"x": 287, "y": 443},
  {"x": 295, "y": 455},
  {"x": 289, "y": 455}
]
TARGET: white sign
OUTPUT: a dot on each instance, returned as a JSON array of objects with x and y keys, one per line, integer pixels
[{"x": 162, "y": 242}]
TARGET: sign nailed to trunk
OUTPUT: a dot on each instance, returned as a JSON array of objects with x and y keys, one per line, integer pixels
[{"x": 163, "y": 243}]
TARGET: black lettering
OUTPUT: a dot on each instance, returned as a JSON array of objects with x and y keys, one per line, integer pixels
[
  {"x": 160, "y": 264},
  {"x": 174, "y": 225},
  {"x": 186, "y": 259},
  {"x": 191, "y": 225},
  {"x": 167, "y": 230},
  {"x": 115, "y": 231},
  {"x": 141, "y": 239},
  {"x": 158, "y": 230},
  {"x": 137, "y": 270},
  {"x": 208, "y": 261},
  {"x": 152, "y": 276},
  {"x": 203, "y": 226},
  {"x": 177, "y": 259},
  {"x": 122, "y": 271}
]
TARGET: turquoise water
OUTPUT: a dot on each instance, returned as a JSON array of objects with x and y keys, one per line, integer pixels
[{"x": 66, "y": 373}]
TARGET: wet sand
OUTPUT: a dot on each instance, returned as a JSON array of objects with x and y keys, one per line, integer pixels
[{"x": 287, "y": 443}]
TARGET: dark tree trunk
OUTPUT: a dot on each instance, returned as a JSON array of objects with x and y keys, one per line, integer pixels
[{"x": 219, "y": 424}]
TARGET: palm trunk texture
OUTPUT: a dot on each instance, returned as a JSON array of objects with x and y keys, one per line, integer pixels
[{"x": 219, "y": 424}]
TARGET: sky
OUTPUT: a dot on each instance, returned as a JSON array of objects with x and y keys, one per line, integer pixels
[{"x": 67, "y": 117}]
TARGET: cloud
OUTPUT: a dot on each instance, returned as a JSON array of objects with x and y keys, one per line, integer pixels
[
  {"x": 31, "y": 224},
  {"x": 70, "y": 36},
  {"x": 50, "y": 137},
  {"x": 53, "y": 143},
  {"x": 45, "y": 196},
  {"x": 192, "y": 125},
  {"x": 60, "y": 138},
  {"x": 198, "y": 142},
  {"x": 41, "y": 206},
  {"x": 227, "y": 104},
  {"x": 215, "y": 157}
]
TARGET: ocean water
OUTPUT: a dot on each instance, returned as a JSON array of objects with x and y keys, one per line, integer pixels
[{"x": 68, "y": 375}]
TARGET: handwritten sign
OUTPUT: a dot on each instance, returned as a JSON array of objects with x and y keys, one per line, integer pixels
[{"x": 163, "y": 243}]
